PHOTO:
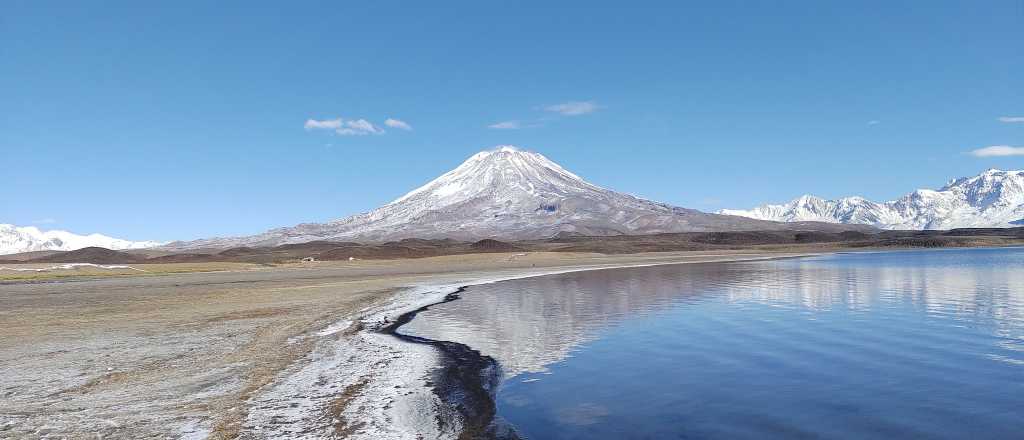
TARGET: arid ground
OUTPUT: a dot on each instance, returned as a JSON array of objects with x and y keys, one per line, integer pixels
[{"x": 158, "y": 354}]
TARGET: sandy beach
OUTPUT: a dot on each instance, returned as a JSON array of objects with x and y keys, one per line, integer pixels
[{"x": 245, "y": 351}]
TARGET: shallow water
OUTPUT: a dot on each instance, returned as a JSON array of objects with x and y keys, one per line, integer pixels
[{"x": 909, "y": 344}]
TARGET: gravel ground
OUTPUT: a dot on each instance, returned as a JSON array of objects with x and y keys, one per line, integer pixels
[{"x": 271, "y": 352}]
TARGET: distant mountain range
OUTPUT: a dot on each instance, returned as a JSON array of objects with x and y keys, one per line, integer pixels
[
  {"x": 14, "y": 239},
  {"x": 511, "y": 194},
  {"x": 992, "y": 199},
  {"x": 505, "y": 193}
]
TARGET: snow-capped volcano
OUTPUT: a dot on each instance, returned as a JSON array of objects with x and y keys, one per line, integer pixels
[
  {"x": 993, "y": 199},
  {"x": 505, "y": 193},
  {"x": 14, "y": 239}
]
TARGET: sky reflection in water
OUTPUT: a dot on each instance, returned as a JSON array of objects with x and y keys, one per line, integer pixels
[{"x": 894, "y": 344}]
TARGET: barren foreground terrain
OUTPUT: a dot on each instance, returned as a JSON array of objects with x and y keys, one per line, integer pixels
[{"x": 159, "y": 354}]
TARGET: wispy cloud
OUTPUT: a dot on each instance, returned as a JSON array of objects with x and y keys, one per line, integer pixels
[
  {"x": 327, "y": 124},
  {"x": 506, "y": 125},
  {"x": 874, "y": 122},
  {"x": 573, "y": 108},
  {"x": 358, "y": 127},
  {"x": 998, "y": 151},
  {"x": 345, "y": 127},
  {"x": 397, "y": 123},
  {"x": 1011, "y": 119}
]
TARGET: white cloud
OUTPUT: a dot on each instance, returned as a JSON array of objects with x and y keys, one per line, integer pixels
[
  {"x": 396, "y": 123},
  {"x": 998, "y": 151},
  {"x": 348, "y": 127},
  {"x": 506, "y": 125},
  {"x": 574, "y": 108},
  {"x": 874, "y": 122},
  {"x": 327, "y": 124},
  {"x": 1011, "y": 119},
  {"x": 358, "y": 127}
]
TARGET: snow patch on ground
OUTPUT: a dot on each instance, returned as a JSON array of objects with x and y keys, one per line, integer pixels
[
  {"x": 70, "y": 266},
  {"x": 194, "y": 430},
  {"x": 366, "y": 386},
  {"x": 334, "y": 328}
]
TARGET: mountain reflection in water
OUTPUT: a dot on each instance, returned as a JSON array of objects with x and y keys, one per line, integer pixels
[{"x": 911, "y": 343}]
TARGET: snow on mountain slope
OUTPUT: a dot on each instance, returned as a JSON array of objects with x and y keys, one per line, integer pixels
[
  {"x": 504, "y": 193},
  {"x": 992, "y": 199},
  {"x": 14, "y": 239}
]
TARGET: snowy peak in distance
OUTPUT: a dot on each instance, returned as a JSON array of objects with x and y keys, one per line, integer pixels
[
  {"x": 499, "y": 182},
  {"x": 506, "y": 166},
  {"x": 14, "y": 239},
  {"x": 992, "y": 199},
  {"x": 505, "y": 193}
]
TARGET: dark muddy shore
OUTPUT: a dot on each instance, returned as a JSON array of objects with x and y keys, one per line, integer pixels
[{"x": 466, "y": 381}]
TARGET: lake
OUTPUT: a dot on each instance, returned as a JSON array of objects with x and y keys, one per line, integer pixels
[{"x": 904, "y": 344}]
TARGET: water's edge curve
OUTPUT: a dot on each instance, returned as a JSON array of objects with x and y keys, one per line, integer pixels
[{"x": 467, "y": 380}]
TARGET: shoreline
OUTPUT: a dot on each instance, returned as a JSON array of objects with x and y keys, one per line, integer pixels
[
  {"x": 406, "y": 318},
  {"x": 279, "y": 352},
  {"x": 466, "y": 380}
]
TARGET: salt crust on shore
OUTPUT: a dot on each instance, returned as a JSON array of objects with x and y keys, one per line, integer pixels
[{"x": 364, "y": 384}]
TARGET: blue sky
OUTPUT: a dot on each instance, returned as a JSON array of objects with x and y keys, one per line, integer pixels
[{"x": 188, "y": 120}]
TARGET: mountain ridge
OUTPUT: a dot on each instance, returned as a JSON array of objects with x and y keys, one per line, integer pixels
[
  {"x": 18, "y": 239},
  {"x": 994, "y": 198},
  {"x": 503, "y": 193}
]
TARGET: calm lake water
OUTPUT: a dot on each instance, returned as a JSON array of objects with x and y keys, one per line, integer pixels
[{"x": 910, "y": 344}]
